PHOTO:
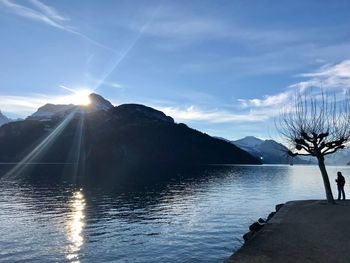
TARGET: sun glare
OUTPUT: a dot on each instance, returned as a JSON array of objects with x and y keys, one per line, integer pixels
[
  {"x": 81, "y": 97},
  {"x": 75, "y": 226}
]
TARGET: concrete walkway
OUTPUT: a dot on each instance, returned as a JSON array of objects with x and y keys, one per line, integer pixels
[{"x": 301, "y": 231}]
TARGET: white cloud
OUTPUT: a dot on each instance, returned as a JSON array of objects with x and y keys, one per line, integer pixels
[
  {"x": 49, "y": 11},
  {"x": 44, "y": 13},
  {"x": 341, "y": 69},
  {"x": 330, "y": 76},
  {"x": 48, "y": 15},
  {"x": 193, "y": 113},
  {"x": 304, "y": 85},
  {"x": 267, "y": 101},
  {"x": 21, "y": 105}
]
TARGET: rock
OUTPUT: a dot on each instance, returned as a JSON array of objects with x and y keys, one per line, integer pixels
[
  {"x": 278, "y": 207},
  {"x": 271, "y": 215},
  {"x": 261, "y": 221},
  {"x": 255, "y": 226},
  {"x": 248, "y": 236}
]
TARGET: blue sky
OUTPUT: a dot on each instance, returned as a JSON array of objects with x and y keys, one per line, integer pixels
[{"x": 222, "y": 67}]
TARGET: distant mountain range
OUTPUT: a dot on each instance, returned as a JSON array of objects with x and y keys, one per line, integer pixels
[
  {"x": 269, "y": 151},
  {"x": 341, "y": 157},
  {"x": 103, "y": 141},
  {"x": 272, "y": 152}
]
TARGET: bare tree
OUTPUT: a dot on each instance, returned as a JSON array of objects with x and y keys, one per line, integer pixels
[{"x": 316, "y": 125}]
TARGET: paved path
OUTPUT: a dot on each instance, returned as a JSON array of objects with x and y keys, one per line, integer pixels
[{"x": 301, "y": 231}]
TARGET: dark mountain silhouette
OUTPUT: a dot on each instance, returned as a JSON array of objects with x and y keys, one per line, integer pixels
[
  {"x": 115, "y": 141},
  {"x": 97, "y": 102},
  {"x": 269, "y": 151}
]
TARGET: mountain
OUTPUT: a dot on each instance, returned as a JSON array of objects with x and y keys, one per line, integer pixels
[
  {"x": 113, "y": 142},
  {"x": 275, "y": 153},
  {"x": 341, "y": 157},
  {"x": 97, "y": 102},
  {"x": 249, "y": 144},
  {"x": 49, "y": 111},
  {"x": 3, "y": 119},
  {"x": 269, "y": 151}
]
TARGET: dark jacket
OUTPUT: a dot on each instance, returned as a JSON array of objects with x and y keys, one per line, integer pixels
[{"x": 340, "y": 181}]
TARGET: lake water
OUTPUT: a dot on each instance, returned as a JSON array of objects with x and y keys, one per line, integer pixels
[{"x": 200, "y": 218}]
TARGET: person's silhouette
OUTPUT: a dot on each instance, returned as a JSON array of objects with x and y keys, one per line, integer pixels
[{"x": 340, "y": 183}]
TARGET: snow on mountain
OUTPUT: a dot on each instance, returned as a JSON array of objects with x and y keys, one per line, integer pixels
[
  {"x": 272, "y": 152},
  {"x": 269, "y": 151},
  {"x": 48, "y": 111},
  {"x": 3, "y": 119},
  {"x": 97, "y": 102}
]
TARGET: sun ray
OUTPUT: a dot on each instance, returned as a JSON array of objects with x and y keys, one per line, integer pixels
[
  {"x": 77, "y": 154},
  {"x": 78, "y": 96},
  {"x": 40, "y": 149},
  {"x": 124, "y": 54}
]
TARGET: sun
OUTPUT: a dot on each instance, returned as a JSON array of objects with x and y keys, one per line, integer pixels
[
  {"x": 81, "y": 97},
  {"x": 78, "y": 96}
]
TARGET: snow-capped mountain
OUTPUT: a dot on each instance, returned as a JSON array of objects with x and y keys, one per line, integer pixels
[
  {"x": 48, "y": 111},
  {"x": 273, "y": 152},
  {"x": 97, "y": 102},
  {"x": 3, "y": 119},
  {"x": 269, "y": 151},
  {"x": 249, "y": 144}
]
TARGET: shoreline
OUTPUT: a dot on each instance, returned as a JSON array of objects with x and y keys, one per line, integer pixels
[{"x": 299, "y": 231}]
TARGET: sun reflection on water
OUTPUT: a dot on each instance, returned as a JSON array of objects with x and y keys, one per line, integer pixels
[{"x": 75, "y": 226}]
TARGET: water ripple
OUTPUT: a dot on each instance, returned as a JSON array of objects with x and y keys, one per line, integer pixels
[{"x": 199, "y": 218}]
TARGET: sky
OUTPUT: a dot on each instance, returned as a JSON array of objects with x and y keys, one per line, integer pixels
[{"x": 226, "y": 68}]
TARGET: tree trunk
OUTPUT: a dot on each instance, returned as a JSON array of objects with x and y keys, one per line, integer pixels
[{"x": 325, "y": 178}]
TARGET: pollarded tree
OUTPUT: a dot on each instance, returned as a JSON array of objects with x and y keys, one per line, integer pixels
[{"x": 317, "y": 126}]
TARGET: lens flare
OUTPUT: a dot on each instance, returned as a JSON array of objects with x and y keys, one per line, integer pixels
[{"x": 81, "y": 97}]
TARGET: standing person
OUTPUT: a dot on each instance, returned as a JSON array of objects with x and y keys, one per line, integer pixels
[{"x": 340, "y": 183}]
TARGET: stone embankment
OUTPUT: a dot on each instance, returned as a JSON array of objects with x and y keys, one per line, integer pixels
[
  {"x": 258, "y": 225},
  {"x": 299, "y": 231}
]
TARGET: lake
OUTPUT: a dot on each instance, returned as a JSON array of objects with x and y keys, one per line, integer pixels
[{"x": 198, "y": 217}]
